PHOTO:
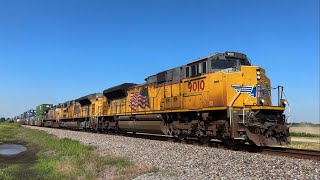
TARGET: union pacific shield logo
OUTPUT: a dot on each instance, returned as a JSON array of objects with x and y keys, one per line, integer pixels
[{"x": 251, "y": 90}]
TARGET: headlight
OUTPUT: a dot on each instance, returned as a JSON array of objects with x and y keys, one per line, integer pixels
[
  {"x": 258, "y": 74},
  {"x": 262, "y": 101},
  {"x": 283, "y": 102}
]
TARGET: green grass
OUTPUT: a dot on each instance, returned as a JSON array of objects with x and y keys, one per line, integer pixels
[
  {"x": 7, "y": 131},
  {"x": 302, "y": 134},
  {"x": 62, "y": 158},
  {"x": 6, "y": 173}
]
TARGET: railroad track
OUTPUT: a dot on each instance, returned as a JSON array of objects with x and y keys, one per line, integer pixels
[
  {"x": 290, "y": 152},
  {"x": 275, "y": 151}
]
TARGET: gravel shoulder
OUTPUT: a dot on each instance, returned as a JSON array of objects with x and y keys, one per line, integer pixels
[{"x": 182, "y": 161}]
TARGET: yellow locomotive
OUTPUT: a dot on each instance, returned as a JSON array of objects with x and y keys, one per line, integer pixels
[{"x": 215, "y": 97}]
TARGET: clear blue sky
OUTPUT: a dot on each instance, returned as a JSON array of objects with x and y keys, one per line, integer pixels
[{"x": 56, "y": 50}]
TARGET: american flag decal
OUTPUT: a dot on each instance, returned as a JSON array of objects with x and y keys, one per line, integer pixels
[{"x": 139, "y": 99}]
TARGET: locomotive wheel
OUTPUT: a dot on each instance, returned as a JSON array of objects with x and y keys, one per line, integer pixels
[{"x": 204, "y": 139}]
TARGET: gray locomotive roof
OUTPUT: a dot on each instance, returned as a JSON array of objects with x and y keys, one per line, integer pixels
[
  {"x": 88, "y": 96},
  {"x": 123, "y": 87},
  {"x": 117, "y": 92},
  {"x": 213, "y": 56},
  {"x": 221, "y": 56}
]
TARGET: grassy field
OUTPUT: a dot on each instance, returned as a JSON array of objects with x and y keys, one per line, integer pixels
[
  {"x": 51, "y": 158},
  {"x": 306, "y": 132}
]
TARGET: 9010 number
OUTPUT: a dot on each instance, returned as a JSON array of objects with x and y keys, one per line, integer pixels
[{"x": 196, "y": 86}]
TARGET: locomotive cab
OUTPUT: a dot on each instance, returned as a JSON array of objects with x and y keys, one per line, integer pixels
[
  {"x": 229, "y": 62},
  {"x": 252, "y": 115}
]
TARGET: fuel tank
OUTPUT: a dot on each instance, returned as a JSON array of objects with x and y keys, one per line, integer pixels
[{"x": 141, "y": 123}]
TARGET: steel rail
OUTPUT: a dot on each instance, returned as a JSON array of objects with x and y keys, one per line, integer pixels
[{"x": 292, "y": 152}]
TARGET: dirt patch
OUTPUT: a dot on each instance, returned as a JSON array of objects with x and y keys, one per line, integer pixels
[
  {"x": 66, "y": 167},
  {"x": 50, "y": 153},
  {"x": 305, "y": 129}
]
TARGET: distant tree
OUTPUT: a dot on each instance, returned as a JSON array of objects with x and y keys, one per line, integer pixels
[
  {"x": 8, "y": 119},
  {"x": 2, "y": 119}
]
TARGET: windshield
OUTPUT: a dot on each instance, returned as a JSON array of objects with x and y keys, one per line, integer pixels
[
  {"x": 244, "y": 62},
  {"x": 223, "y": 64}
]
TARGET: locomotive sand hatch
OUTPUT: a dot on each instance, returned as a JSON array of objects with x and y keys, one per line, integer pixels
[{"x": 221, "y": 96}]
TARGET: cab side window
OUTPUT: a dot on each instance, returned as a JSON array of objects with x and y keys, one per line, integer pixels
[
  {"x": 204, "y": 67},
  {"x": 187, "y": 71},
  {"x": 193, "y": 70}
]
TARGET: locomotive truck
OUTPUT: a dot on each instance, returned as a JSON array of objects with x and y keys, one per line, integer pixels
[{"x": 221, "y": 96}]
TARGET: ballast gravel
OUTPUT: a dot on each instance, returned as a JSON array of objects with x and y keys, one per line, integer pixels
[{"x": 183, "y": 161}]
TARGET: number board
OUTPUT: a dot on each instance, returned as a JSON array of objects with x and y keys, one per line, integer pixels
[{"x": 196, "y": 86}]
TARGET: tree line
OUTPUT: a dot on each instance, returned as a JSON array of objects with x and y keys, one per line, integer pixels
[{"x": 2, "y": 119}]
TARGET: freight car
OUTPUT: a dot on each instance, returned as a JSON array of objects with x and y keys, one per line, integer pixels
[
  {"x": 221, "y": 96},
  {"x": 23, "y": 118},
  {"x": 30, "y": 117},
  {"x": 41, "y": 113}
]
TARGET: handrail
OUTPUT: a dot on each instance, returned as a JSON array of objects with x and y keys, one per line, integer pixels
[
  {"x": 244, "y": 105},
  {"x": 231, "y": 104},
  {"x": 288, "y": 119}
]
